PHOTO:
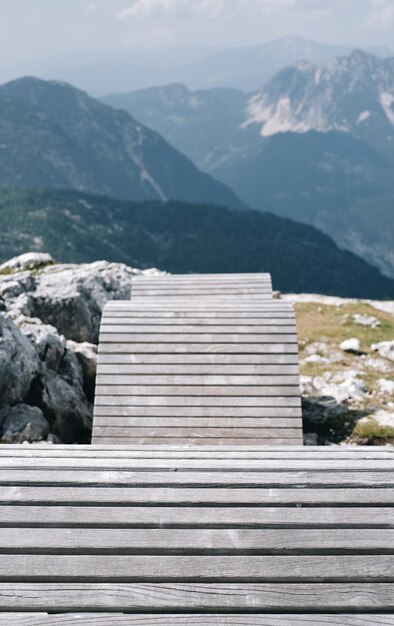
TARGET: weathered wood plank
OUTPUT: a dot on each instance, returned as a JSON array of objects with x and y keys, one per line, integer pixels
[
  {"x": 198, "y": 348},
  {"x": 169, "y": 478},
  {"x": 202, "y": 596},
  {"x": 203, "y": 464},
  {"x": 196, "y": 517},
  {"x": 91, "y": 568},
  {"x": 202, "y": 541},
  {"x": 204, "y": 380},
  {"x": 325, "y": 497},
  {"x": 229, "y": 360},
  {"x": 200, "y": 412},
  {"x": 196, "y": 338},
  {"x": 128, "y": 319},
  {"x": 106, "y": 422},
  {"x": 199, "y": 370},
  {"x": 197, "y": 452},
  {"x": 202, "y": 401},
  {"x": 226, "y": 316},
  {"x": 167, "y": 330},
  {"x": 198, "y": 431},
  {"x": 200, "y": 441},
  {"x": 116, "y": 619},
  {"x": 188, "y": 391}
]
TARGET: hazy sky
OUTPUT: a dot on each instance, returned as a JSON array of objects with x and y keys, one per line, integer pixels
[{"x": 30, "y": 29}]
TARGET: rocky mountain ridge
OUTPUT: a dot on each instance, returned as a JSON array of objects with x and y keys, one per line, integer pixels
[
  {"x": 55, "y": 136},
  {"x": 316, "y": 144}
]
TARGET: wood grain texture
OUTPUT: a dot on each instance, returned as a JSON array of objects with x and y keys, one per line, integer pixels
[
  {"x": 203, "y": 535},
  {"x": 114, "y": 619},
  {"x": 203, "y": 596}
]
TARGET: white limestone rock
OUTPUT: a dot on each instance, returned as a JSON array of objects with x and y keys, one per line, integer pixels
[
  {"x": 28, "y": 261},
  {"x": 366, "y": 320},
  {"x": 72, "y": 297},
  {"x": 19, "y": 363},
  {"x": 385, "y": 349},
  {"x": 353, "y": 346}
]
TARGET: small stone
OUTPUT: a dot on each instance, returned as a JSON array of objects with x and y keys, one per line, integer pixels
[
  {"x": 316, "y": 358},
  {"x": 386, "y": 386},
  {"x": 383, "y": 418},
  {"x": 385, "y": 349},
  {"x": 366, "y": 320},
  {"x": 352, "y": 346}
]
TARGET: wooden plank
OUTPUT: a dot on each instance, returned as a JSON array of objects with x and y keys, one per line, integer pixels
[
  {"x": 267, "y": 320},
  {"x": 208, "y": 401},
  {"x": 154, "y": 291},
  {"x": 187, "y": 391},
  {"x": 185, "y": 496},
  {"x": 257, "y": 276},
  {"x": 195, "y": 338},
  {"x": 195, "y": 370},
  {"x": 229, "y": 360},
  {"x": 103, "y": 423},
  {"x": 205, "y": 464},
  {"x": 227, "y": 315},
  {"x": 199, "y": 432},
  {"x": 198, "y": 452},
  {"x": 116, "y": 619},
  {"x": 114, "y": 347},
  {"x": 202, "y": 597},
  {"x": 195, "y": 517},
  {"x": 200, "y": 441},
  {"x": 124, "y": 413},
  {"x": 92, "y": 568},
  {"x": 200, "y": 412},
  {"x": 169, "y": 329},
  {"x": 170, "y": 478},
  {"x": 202, "y": 381}
]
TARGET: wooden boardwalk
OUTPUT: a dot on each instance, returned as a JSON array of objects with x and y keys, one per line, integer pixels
[
  {"x": 210, "y": 287},
  {"x": 199, "y": 360},
  {"x": 145, "y": 536}
]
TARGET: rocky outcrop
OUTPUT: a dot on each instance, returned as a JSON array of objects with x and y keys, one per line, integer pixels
[{"x": 49, "y": 326}]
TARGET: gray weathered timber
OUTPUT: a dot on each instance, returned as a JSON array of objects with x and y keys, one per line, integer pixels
[
  {"x": 202, "y": 597},
  {"x": 206, "y": 347},
  {"x": 196, "y": 452},
  {"x": 198, "y": 536},
  {"x": 116, "y": 619}
]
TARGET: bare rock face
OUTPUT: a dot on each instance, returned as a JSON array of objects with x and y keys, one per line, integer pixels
[
  {"x": 72, "y": 297},
  {"x": 19, "y": 363},
  {"x": 49, "y": 326},
  {"x": 86, "y": 353},
  {"x": 22, "y": 423},
  {"x": 28, "y": 261}
]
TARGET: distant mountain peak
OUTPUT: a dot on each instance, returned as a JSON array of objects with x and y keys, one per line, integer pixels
[
  {"x": 55, "y": 136},
  {"x": 330, "y": 97}
]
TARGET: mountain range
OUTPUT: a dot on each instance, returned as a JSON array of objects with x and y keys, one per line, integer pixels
[
  {"x": 181, "y": 237},
  {"x": 316, "y": 143},
  {"x": 245, "y": 68},
  {"x": 53, "y": 135}
]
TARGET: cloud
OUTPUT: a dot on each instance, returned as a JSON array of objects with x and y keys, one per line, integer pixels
[
  {"x": 208, "y": 8},
  {"x": 147, "y": 8},
  {"x": 383, "y": 13},
  {"x": 90, "y": 7}
]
